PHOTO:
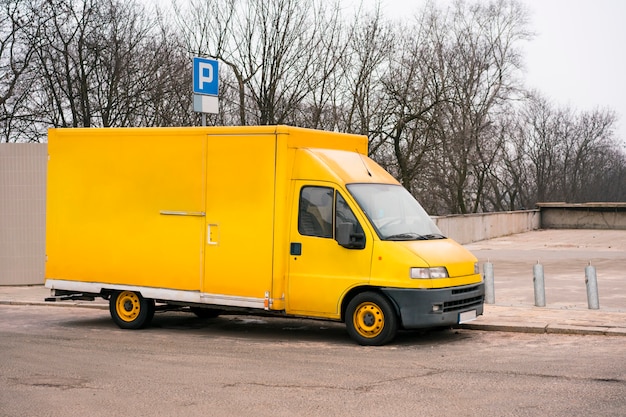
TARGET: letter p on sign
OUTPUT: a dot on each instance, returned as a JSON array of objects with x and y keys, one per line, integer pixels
[{"x": 205, "y": 76}]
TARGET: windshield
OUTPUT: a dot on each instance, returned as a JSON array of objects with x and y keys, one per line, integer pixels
[{"x": 394, "y": 213}]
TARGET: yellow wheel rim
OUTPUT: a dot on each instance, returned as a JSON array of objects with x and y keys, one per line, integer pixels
[
  {"x": 368, "y": 319},
  {"x": 127, "y": 306}
]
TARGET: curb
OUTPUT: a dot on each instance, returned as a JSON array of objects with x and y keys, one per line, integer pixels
[{"x": 549, "y": 329}]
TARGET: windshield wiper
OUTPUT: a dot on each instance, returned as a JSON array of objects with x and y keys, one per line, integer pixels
[
  {"x": 406, "y": 236},
  {"x": 415, "y": 236},
  {"x": 434, "y": 236}
]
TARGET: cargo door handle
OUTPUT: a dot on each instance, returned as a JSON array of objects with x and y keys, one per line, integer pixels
[
  {"x": 213, "y": 234},
  {"x": 182, "y": 213}
]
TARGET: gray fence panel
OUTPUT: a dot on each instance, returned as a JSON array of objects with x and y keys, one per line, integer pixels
[{"x": 22, "y": 213}]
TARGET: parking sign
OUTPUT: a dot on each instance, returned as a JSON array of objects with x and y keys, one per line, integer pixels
[{"x": 205, "y": 76}]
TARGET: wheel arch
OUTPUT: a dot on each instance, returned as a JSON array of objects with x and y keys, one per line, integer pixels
[{"x": 353, "y": 292}]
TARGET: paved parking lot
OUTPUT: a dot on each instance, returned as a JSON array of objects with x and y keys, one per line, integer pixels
[
  {"x": 75, "y": 361},
  {"x": 564, "y": 255}
]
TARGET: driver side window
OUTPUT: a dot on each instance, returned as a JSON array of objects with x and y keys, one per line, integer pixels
[
  {"x": 319, "y": 217},
  {"x": 315, "y": 215}
]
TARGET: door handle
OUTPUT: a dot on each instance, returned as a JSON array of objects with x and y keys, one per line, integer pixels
[
  {"x": 295, "y": 249},
  {"x": 182, "y": 213},
  {"x": 213, "y": 234}
]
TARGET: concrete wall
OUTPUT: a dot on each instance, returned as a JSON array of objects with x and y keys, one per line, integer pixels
[
  {"x": 22, "y": 212},
  {"x": 583, "y": 216},
  {"x": 469, "y": 228}
]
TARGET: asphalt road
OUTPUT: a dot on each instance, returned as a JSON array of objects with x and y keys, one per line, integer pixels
[{"x": 64, "y": 361}]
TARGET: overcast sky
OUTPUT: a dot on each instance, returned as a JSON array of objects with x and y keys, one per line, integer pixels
[{"x": 578, "y": 56}]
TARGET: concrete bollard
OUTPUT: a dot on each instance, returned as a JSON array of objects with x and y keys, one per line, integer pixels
[
  {"x": 592, "y": 287},
  {"x": 540, "y": 290},
  {"x": 490, "y": 296}
]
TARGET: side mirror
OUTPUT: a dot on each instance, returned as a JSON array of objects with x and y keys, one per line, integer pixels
[{"x": 348, "y": 237}]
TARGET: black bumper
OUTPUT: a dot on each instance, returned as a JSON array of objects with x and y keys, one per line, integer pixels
[{"x": 423, "y": 308}]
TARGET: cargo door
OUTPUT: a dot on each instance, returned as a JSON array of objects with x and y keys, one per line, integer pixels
[
  {"x": 239, "y": 219},
  {"x": 180, "y": 194},
  {"x": 321, "y": 271}
]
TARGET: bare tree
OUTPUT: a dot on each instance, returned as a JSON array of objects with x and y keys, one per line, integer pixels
[
  {"x": 65, "y": 61},
  {"x": 592, "y": 134},
  {"x": 439, "y": 98},
  {"x": 606, "y": 176},
  {"x": 15, "y": 58},
  {"x": 511, "y": 179},
  {"x": 103, "y": 63},
  {"x": 323, "y": 104},
  {"x": 412, "y": 93},
  {"x": 166, "y": 99},
  {"x": 558, "y": 154},
  {"x": 481, "y": 69},
  {"x": 123, "y": 66},
  {"x": 544, "y": 132},
  {"x": 268, "y": 45},
  {"x": 207, "y": 29},
  {"x": 365, "y": 63}
]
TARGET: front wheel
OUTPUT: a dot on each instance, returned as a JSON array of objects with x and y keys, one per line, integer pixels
[
  {"x": 130, "y": 310},
  {"x": 371, "y": 319}
]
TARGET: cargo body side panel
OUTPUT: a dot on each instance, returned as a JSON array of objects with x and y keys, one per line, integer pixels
[
  {"x": 126, "y": 207},
  {"x": 192, "y": 215}
]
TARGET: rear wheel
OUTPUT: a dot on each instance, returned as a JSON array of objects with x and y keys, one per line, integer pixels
[
  {"x": 371, "y": 319},
  {"x": 130, "y": 310}
]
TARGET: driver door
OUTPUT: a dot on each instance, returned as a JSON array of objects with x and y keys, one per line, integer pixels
[{"x": 321, "y": 271}]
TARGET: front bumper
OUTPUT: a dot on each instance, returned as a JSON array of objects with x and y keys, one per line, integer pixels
[{"x": 423, "y": 308}]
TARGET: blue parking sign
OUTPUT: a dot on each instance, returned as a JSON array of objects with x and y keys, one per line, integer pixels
[{"x": 205, "y": 76}]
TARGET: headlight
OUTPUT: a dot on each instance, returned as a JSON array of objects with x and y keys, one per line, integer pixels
[
  {"x": 426, "y": 273},
  {"x": 476, "y": 268}
]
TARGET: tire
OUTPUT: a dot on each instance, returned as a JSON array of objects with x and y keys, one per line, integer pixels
[
  {"x": 205, "y": 313},
  {"x": 371, "y": 319},
  {"x": 129, "y": 310}
]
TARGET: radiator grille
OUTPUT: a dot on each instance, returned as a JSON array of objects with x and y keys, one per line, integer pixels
[
  {"x": 465, "y": 289},
  {"x": 462, "y": 304}
]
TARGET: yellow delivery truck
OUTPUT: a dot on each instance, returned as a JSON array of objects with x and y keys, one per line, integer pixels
[{"x": 280, "y": 219}]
